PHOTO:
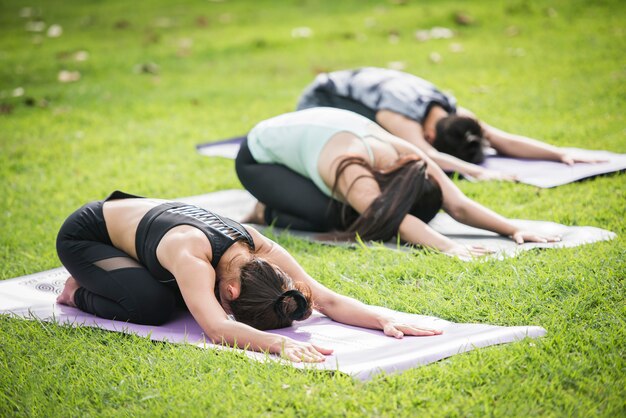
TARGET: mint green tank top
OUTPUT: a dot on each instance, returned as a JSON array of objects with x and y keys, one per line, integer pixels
[{"x": 296, "y": 139}]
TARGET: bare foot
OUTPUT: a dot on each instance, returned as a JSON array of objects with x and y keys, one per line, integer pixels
[
  {"x": 67, "y": 295},
  {"x": 257, "y": 216}
]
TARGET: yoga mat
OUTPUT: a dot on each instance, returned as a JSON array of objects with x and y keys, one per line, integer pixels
[
  {"x": 540, "y": 173},
  {"x": 547, "y": 174},
  {"x": 227, "y": 148},
  {"x": 359, "y": 352},
  {"x": 236, "y": 204}
]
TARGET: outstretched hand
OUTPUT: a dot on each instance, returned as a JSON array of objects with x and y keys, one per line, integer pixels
[
  {"x": 570, "y": 159},
  {"x": 487, "y": 175},
  {"x": 297, "y": 352},
  {"x": 468, "y": 252},
  {"x": 521, "y": 237},
  {"x": 399, "y": 330}
]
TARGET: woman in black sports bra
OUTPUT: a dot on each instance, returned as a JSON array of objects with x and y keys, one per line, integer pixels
[{"x": 135, "y": 259}]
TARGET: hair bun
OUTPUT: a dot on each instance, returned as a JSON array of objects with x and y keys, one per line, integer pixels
[
  {"x": 292, "y": 305},
  {"x": 472, "y": 137}
]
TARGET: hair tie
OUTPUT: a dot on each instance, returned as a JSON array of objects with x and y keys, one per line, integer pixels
[
  {"x": 470, "y": 137},
  {"x": 301, "y": 302}
]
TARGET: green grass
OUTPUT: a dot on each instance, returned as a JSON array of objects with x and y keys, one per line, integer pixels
[{"x": 561, "y": 77}]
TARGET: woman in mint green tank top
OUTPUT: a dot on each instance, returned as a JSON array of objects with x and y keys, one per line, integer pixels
[{"x": 326, "y": 169}]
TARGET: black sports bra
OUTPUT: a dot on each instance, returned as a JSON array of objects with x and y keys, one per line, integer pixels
[{"x": 221, "y": 232}]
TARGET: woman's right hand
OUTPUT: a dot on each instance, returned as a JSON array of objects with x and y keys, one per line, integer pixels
[
  {"x": 468, "y": 252},
  {"x": 297, "y": 352},
  {"x": 486, "y": 175}
]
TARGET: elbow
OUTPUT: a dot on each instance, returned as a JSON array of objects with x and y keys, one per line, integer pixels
[
  {"x": 325, "y": 306},
  {"x": 458, "y": 211}
]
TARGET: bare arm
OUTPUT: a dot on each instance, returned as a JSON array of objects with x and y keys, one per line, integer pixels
[
  {"x": 411, "y": 131},
  {"x": 459, "y": 206},
  {"x": 523, "y": 147},
  {"x": 196, "y": 279},
  {"x": 337, "y": 307}
]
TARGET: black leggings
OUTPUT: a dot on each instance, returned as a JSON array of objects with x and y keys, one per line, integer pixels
[
  {"x": 113, "y": 284},
  {"x": 291, "y": 200}
]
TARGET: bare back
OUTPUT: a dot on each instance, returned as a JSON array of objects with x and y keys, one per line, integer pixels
[
  {"x": 122, "y": 218},
  {"x": 383, "y": 153}
]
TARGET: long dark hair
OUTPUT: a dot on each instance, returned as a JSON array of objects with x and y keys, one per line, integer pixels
[
  {"x": 404, "y": 189},
  {"x": 461, "y": 137},
  {"x": 268, "y": 298}
]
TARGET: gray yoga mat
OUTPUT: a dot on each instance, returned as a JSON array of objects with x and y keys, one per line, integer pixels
[
  {"x": 236, "y": 204},
  {"x": 359, "y": 352},
  {"x": 540, "y": 173}
]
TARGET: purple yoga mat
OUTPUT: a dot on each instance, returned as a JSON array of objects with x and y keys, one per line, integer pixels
[
  {"x": 359, "y": 352},
  {"x": 540, "y": 173}
]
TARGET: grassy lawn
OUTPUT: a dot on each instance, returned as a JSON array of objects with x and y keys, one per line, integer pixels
[{"x": 156, "y": 78}]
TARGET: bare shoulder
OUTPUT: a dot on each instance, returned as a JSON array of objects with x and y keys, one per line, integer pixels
[
  {"x": 184, "y": 241},
  {"x": 262, "y": 244},
  {"x": 461, "y": 111}
]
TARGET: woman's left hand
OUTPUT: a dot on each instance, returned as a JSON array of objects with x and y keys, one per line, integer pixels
[
  {"x": 522, "y": 236},
  {"x": 399, "y": 330},
  {"x": 571, "y": 159}
]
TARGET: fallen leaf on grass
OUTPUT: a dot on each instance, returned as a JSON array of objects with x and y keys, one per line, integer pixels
[
  {"x": 370, "y": 22},
  {"x": 146, "y": 68},
  {"x": 35, "y": 26},
  {"x": 76, "y": 55},
  {"x": 202, "y": 22},
  {"x": 184, "y": 47},
  {"x": 6, "y": 109},
  {"x": 121, "y": 24},
  {"x": 394, "y": 37},
  {"x": 436, "y": 32},
  {"x": 396, "y": 65},
  {"x": 463, "y": 19},
  {"x": 151, "y": 38},
  {"x": 435, "y": 57},
  {"x": 456, "y": 47},
  {"x": 68, "y": 76},
  {"x": 511, "y": 31},
  {"x": 316, "y": 69},
  {"x": 81, "y": 56},
  {"x": 55, "y": 31},
  {"x": 301, "y": 32}
]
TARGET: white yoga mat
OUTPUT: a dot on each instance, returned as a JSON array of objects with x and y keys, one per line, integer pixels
[
  {"x": 359, "y": 352},
  {"x": 540, "y": 173},
  {"x": 236, "y": 204}
]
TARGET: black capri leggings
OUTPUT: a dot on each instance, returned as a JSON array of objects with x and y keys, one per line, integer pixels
[
  {"x": 291, "y": 200},
  {"x": 113, "y": 284}
]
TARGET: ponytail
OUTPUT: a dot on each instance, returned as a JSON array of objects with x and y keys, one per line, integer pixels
[{"x": 404, "y": 189}]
